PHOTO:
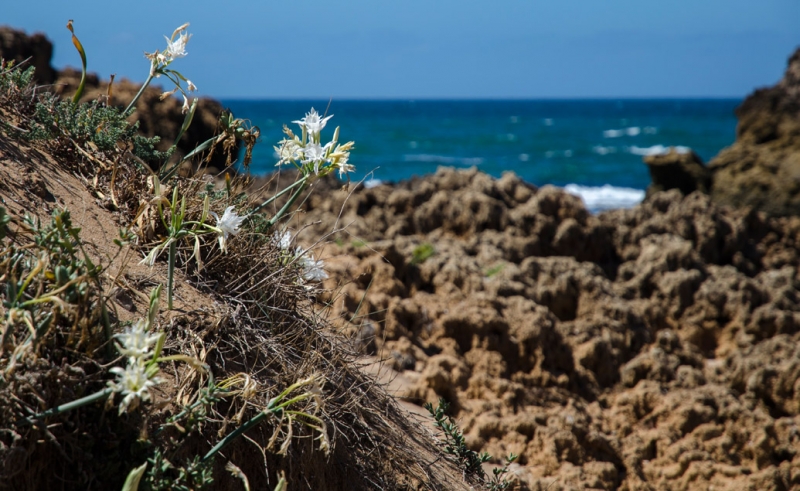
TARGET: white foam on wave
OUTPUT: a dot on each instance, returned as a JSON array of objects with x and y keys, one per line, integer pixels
[
  {"x": 601, "y": 150},
  {"x": 442, "y": 159},
  {"x": 606, "y": 197},
  {"x": 630, "y": 131},
  {"x": 656, "y": 150}
]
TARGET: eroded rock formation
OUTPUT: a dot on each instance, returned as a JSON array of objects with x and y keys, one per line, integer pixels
[{"x": 651, "y": 348}]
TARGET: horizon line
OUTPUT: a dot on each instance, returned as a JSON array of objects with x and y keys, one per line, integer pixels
[{"x": 477, "y": 99}]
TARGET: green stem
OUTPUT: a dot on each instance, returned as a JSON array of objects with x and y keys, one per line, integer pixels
[
  {"x": 266, "y": 203},
  {"x": 200, "y": 148},
  {"x": 289, "y": 203},
  {"x": 173, "y": 248},
  {"x": 139, "y": 94},
  {"x": 237, "y": 432},
  {"x": 70, "y": 405}
]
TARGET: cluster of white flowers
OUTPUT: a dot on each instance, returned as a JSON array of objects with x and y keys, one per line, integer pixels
[
  {"x": 313, "y": 270},
  {"x": 284, "y": 240},
  {"x": 134, "y": 381},
  {"x": 227, "y": 225},
  {"x": 176, "y": 48},
  {"x": 309, "y": 154},
  {"x": 159, "y": 60}
]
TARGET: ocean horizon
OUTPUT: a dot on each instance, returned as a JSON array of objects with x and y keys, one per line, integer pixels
[{"x": 591, "y": 147}]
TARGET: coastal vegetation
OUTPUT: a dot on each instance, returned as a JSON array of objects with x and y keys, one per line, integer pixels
[{"x": 162, "y": 355}]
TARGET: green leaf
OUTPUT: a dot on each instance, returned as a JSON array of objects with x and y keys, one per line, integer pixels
[
  {"x": 79, "y": 47},
  {"x": 153, "y": 310},
  {"x": 132, "y": 481}
]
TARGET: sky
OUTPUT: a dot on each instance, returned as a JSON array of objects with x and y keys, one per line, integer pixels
[{"x": 435, "y": 48}]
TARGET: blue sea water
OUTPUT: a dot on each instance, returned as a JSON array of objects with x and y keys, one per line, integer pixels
[{"x": 594, "y": 148}]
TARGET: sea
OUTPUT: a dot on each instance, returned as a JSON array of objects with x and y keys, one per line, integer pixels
[{"x": 591, "y": 148}]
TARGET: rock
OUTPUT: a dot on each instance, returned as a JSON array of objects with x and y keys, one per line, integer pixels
[
  {"x": 762, "y": 168},
  {"x": 677, "y": 169},
  {"x": 649, "y": 348},
  {"x": 18, "y": 46}
]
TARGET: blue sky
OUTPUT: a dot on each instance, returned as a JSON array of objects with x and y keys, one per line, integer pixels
[{"x": 436, "y": 48}]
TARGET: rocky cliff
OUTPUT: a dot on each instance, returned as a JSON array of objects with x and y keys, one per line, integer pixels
[{"x": 762, "y": 168}]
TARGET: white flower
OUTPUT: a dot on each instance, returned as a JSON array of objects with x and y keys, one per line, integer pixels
[
  {"x": 345, "y": 167},
  {"x": 314, "y": 152},
  {"x": 176, "y": 48},
  {"x": 339, "y": 159},
  {"x": 135, "y": 341},
  {"x": 312, "y": 123},
  {"x": 284, "y": 241},
  {"x": 192, "y": 87},
  {"x": 227, "y": 225},
  {"x": 185, "y": 108},
  {"x": 133, "y": 382},
  {"x": 312, "y": 270},
  {"x": 289, "y": 151}
]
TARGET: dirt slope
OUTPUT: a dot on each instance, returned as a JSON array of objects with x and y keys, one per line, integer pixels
[{"x": 404, "y": 454}]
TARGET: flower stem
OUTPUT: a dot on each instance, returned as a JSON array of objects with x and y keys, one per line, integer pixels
[
  {"x": 267, "y": 202},
  {"x": 289, "y": 203},
  {"x": 139, "y": 94},
  {"x": 70, "y": 405}
]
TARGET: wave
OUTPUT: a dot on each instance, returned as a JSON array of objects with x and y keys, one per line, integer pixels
[
  {"x": 656, "y": 150},
  {"x": 601, "y": 150},
  {"x": 442, "y": 159},
  {"x": 606, "y": 197},
  {"x": 630, "y": 131},
  {"x": 371, "y": 183}
]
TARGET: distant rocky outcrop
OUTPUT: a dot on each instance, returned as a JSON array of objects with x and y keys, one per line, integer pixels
[
  {"x": 18, "y": 46},
  {"x": 155, "y": 117},
  {"x": 762, "y": 168},
  {"x": 680, "y": 169}
]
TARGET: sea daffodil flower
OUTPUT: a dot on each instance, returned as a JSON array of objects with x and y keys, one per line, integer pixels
[
  {"x": 227, "y": 225},
  {"x": 312, "y": 123},
  {"x": 135, "y": 342},
  {"x": 133, "y": 382}
]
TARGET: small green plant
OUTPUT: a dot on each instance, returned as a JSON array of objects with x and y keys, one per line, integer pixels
[
  {"x": 50, "y": 280},
  {"x": 422, "y": 252},
  {"x": 494, "y": 270},
  {"x": 91, "y": 126},
  {"x": 469, "y": 460}
]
